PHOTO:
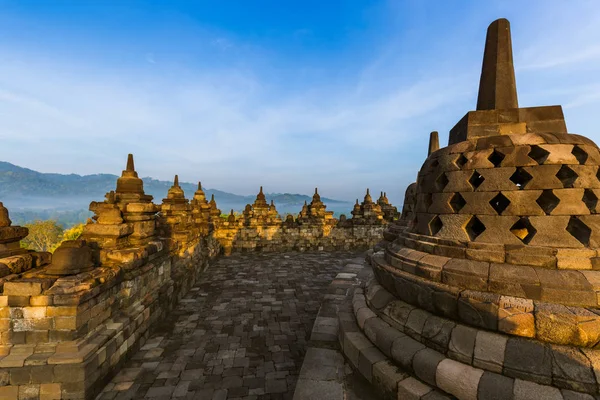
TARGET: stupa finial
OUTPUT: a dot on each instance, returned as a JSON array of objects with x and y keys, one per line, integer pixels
[
  {"x": 497, "y": 86},
  {"x": 434, "y": 142},
  {"x": 130, "y": 167}
]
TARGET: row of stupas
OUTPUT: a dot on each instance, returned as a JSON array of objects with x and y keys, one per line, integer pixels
[
  {"x": 489, "y": 284},
  {"x": 128, "y": 218}
]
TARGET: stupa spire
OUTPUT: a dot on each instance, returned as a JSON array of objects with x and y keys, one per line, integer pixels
[
  {"x": 130, "y": 167},
  {"x": 434, "y": 143},
  {"x": 497, "y": 86}
]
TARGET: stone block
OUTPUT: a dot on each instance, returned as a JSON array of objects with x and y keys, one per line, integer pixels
[
  {"x": 381, "y": 299},
  {"x": 574, "y": 258},
  {"x": 29, "y": 392},
  {"x": 571, "y": 395},
  {"x": 24, "y": 288},
  {"x": 530, "y": 255},
  {"x": 466, "y": 274},
  {"x": 311, "y": 389},
  {"x": 9, "y": 392},
  {"x": 489, "y": 351},
  {"x": 495, "y": 387},
  {"x": 366, "y": 359},
  {"x": 385, "y": 338},
  {"x": 445, "y": 302},
  {"x": 513, "y": 280},
  {"x": 398, "y": 311},
  {"x": 436, "y": 333},
  {"x": 458, "y": 379},
  {"x": 528, "y": 359},
  {"x": 479, "y": 309},
  {"x": 462, "y": 343},
  {"x": 572, "y": 370},
  {"x": 522, "y": 202},
  {"x": 515, "y": 316},
  {"x": 50, "y": 391},
  {"x": 559, "y": 324},
  {"x": 363, "y": 315},
  {"x": 20, "y": 376},
  {"x": 525, "y": 390},
  {"x": 403, "y": 351},
  {"x": 386, "y": 377},
  {"x": 354, "y": 342},
  {"x": 425, "y": 363},
  {"x": 372, "y": 328},
  {"x": 412, "y": 389},
  {"x": 416, "y": 321}
]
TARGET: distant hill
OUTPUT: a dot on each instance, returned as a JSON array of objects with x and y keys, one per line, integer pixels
[{"x": 22, "y": 189}]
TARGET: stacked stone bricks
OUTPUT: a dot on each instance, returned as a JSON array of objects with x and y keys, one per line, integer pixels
[{"x": 490, "y": 286}]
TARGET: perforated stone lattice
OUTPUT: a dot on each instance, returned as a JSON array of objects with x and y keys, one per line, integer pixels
[
  {"x": 523, "y": 230},
  {"x": 476, "y": 180},
  {"x": 538, "y": 154},
  {"x": 579, "y": 230},
  {"x": 567, "y": 176},
  {"x": 457, "y": 202},
  {"x": 474, "y": 228},
  {"x": 547, "y": 201},
  {"x": 523, "y": 180},
  {"x": 499, "y": 203}
]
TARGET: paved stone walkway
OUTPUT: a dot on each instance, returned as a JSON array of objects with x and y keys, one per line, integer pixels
[{"x": 241, "y": 333}]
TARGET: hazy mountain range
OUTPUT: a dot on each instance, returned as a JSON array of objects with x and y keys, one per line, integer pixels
[{"x": 30, "y": 194}]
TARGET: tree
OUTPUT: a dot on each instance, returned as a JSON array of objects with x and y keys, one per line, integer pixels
[
  {"x": 73, "y": 232},
  {"x": 43, "y": 235}
]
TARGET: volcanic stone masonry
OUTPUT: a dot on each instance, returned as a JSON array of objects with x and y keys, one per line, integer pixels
[
  {"x": 69, "y": 320},
  {"x": 488, "y": 286}
]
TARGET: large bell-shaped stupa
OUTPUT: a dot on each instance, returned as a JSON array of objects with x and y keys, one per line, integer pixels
[{"x": 492, "y": 275}]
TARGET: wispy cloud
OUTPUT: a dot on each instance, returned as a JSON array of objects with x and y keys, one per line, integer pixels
[{"x": 235, "y": 127}]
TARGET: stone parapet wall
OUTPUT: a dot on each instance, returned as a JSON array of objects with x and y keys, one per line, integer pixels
[
  {"x": 298, "y": 238},
  {"x": 66, "y": 340}
]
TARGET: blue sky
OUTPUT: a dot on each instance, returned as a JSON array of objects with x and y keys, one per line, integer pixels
[{"x": 288, "y": 95}]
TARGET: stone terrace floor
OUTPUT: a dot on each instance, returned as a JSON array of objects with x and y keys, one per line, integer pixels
[{"x": 241, "y": 333}]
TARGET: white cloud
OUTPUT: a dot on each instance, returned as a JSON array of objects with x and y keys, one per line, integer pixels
[{"x": 231, "y": 128}]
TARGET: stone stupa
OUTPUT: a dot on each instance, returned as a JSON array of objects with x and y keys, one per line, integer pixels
[{"x": 489, "y": 286}]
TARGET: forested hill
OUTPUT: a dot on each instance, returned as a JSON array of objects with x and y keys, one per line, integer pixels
[{"x": 23, "y": 188}]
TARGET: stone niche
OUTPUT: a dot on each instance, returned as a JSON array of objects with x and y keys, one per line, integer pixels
[{"x": 68, "y": 322}]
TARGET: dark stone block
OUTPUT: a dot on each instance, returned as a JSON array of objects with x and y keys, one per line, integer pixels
[
  {"x": 403, "y": 351},
  {"x": 570, "y": 395},
  {"x": 479, "y": 309},
  {"x": 425, "y": 364},
  {"x": 436, "y": 333},
  {"x": 572, "y": 370},
  {"x": 528, "y": 360},
  {"x": 446, "y": 303},
  {"x": 495, "y": 387},
  {"x": 385, "y": 338}
]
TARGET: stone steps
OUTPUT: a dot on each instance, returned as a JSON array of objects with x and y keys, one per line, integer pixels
[{"x": 324, "y": 373}]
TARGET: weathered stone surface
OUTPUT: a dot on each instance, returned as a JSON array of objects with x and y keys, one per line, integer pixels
[
  {"x": 489, "y": 351},
  {"x": 425, "y": 363},
  {"x": 528, "y": 359},
  {"x": 458, "y": 379},
  {"x": 525, "y": 390},
  {"x": 462, "y": 343},
  {"x": 495, "y": 387}
]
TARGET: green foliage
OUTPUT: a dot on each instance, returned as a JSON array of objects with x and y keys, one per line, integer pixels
[
  {"x": 43, "y": 235},
  {"x": 48, "y": 235},
  {"x": 73, "y": 233}
]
